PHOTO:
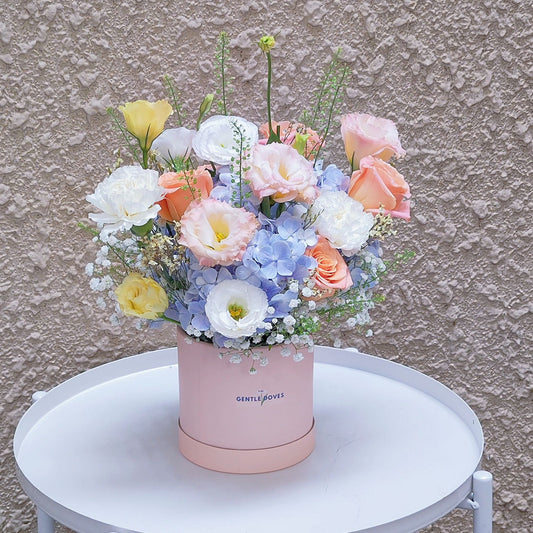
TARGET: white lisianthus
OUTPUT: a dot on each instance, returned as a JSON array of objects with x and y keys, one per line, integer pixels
[
  {"x": 215, "y": 141},
  {"x": 173, "y": 143},
  {"x": 342, "y": 220},
  {"x": 128, "y": 197},
  {"x": 236, "y": 308}
]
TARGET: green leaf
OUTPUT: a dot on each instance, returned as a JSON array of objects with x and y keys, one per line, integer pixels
[{"x": 143, "y": 230}]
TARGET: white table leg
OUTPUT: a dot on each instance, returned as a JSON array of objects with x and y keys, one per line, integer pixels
[
  {"x": 45, "y": 523},
  {"x": 482, "y": 489}
]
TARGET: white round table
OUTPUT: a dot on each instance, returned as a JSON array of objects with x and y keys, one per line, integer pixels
[{"x": 395, "y": 451}]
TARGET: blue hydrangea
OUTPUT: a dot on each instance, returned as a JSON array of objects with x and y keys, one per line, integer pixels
[
  {"x": 333, "y": 179},
  {"x": 227, "y": 189},
  {"x": 277, "y": 251}
]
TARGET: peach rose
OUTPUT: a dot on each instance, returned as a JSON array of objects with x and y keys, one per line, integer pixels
[
  {"x": 180, "y": 193},
  {"x": 332, "y": 272},
  {"x": 365, "y": 134},
  {"x": 295, "y": 134},
  {"x": 378, "y": 185}
]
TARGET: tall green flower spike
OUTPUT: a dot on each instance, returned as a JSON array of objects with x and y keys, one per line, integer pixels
[{"x": 266, "y": 43}]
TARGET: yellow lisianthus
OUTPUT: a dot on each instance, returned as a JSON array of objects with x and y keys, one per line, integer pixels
[
  {"x": 141, "y": 297},
  {"x": 146, "y": 120}
]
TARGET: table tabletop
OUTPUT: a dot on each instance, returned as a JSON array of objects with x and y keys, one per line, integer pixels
[{"x": 395, "y": 450}]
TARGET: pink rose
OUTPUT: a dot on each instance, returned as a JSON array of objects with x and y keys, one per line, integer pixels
[
  {"x": 216, "y": 232},
  {"x": 287, "y": 133},
  {"x": 279, "y": 171},
  {"x": 368, "y": 135},
  {"x": 181, "y": 188},
  {"x": 378, "y": 185},
  {"x": 332, "y": 272}
]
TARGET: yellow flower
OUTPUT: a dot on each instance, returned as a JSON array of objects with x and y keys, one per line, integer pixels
[
  {"x": 146, "y": 120},
  {"x": 142, "y": 297}
]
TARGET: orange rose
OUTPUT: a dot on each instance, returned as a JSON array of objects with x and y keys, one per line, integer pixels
[
  {"x": 181, "y": 189},
  {"x": 332, "y": 272},
  {"x": 378, "y": 185}
]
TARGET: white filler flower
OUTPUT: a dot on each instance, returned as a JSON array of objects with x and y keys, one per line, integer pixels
[
  {"x": 173, "y": 143},
  {"x": 236, "y": 308},
  {"x": 342, "y": 221},
  {"x": 216, "y": 140},
  {"x": 128, "y": 197}
]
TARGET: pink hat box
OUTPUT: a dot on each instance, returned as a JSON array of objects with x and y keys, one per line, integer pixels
[{"x": 234, "y": 422}]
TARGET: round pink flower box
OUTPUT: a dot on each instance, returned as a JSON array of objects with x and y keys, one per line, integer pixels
[{"x": 234, "y": 422}]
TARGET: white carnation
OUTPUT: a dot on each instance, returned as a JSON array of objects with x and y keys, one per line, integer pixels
[
  {"x": 173, "y": 143},
  {"x": 342, "y": 220},
  {"x": 215, "y": 140},
  {"x": 128, "y": 197},
  {"x": 236, "y": 308}
]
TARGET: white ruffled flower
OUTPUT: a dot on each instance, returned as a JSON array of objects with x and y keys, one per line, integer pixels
[
  {"x": 128, "y": 197},
  {"x": 342, "y": 220},
  {"x": 173, "y": 143},
  {"x": 236, "y": 308},
  {"x": 215, "y": 140}
]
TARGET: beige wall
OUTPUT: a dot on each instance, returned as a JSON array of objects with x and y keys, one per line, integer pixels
[{"x": 452, "y": 74}]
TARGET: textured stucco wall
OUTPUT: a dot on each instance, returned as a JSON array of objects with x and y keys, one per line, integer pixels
[{"x": 456, "y": 76}]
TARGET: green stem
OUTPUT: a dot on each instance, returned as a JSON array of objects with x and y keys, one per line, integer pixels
[
  {"x": 223, "y": 71},
  {"x": 273, "y": 136},
  {"x": 269, "y": 83},
  {"x": 170, "y": 320}
]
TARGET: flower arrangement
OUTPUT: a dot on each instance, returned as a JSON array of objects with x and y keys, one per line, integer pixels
[{"x": 240, "y": 234}]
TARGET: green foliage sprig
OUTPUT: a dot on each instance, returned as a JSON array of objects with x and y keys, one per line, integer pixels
[
  {"x": 239, "y": 165},
  {"x": 225, "y": 86},
  {"x": 174, "y": 96},
  {"x": 328, "y": 98},
  {"x": 131, "y": 141},
  {"x": 354, "y": 300}
]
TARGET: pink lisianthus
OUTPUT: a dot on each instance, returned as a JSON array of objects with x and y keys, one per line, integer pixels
[
  {"x": 216, "y": 232},
  {"x": 295, "y": 134},
  {"x": 279, "y": 171},
  {"x": 365, "y": 134},
  {"x": 380, "y": 187}
]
